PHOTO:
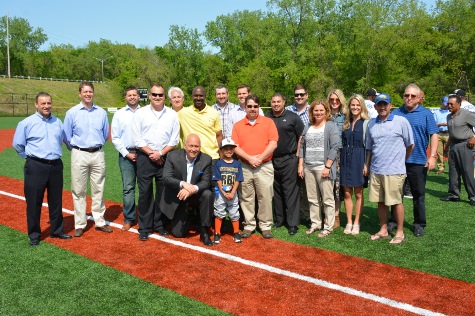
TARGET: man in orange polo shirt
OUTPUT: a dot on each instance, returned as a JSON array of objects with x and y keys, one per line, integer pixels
[{"x": 256, "y": 138}]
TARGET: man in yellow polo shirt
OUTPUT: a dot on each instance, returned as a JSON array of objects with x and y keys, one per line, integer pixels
[{"x": 202, "y": 120}]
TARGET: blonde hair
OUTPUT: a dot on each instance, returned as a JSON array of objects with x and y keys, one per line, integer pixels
[
  {"x": 341, "y": 96},
  {"x": 349, "y": 115}
]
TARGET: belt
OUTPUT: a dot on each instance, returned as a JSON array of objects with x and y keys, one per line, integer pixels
[
  {"x": 133, "y": 150},
  {"x": 89, "y": 150},
  {"x": 443, "y": 132},
  {"x": 48, "y": 161}
]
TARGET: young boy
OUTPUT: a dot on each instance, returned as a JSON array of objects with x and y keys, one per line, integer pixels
[{"x": 227, "y": 173}]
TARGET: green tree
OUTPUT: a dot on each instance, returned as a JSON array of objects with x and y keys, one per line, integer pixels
[{"x": 23, "y": 39}]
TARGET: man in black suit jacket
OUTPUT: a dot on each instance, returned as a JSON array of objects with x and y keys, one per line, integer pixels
[{"x": 187, "y": 178}]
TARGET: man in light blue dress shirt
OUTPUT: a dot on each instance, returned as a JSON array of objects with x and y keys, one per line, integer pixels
[
  {"x": 38, "y": 138},
  {"x": 121, "y": 130},
  {"x": 87, "y": 129}
]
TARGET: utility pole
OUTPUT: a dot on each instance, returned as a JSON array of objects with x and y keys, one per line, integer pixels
[
  {"x": 8, "y": 51},
  {"x": 102, "y": 65}
]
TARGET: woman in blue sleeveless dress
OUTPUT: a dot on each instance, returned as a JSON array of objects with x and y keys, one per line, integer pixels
[{"x": 353, "y": 171}]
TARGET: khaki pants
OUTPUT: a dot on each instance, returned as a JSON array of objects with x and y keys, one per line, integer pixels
[
  {"x": 443, "y": 138},
  {"x": 86, "y": 165},
  {"x": 260, "y": 182},
  {"x": 320, "y": 194}
]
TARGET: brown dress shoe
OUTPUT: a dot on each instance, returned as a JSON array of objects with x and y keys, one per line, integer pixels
[
  {"x": 78, "y": 232},
  {"x": 440, "y": 171},
  {"x": 126, "y": 227},
  {"x": 105, "y": 229}
]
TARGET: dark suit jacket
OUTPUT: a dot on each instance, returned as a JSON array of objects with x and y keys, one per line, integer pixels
[{"x": 174, "y": 172}]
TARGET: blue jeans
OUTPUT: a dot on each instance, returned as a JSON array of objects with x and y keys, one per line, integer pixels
[{"x": 128, "y": 169}]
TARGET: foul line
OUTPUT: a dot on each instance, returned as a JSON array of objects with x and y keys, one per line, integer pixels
[{"x": 265, "y": 267}]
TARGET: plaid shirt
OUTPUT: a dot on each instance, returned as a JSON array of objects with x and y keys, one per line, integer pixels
[
  {"x": 226, "y": 120},
  {"x": 303, "y": 115}
]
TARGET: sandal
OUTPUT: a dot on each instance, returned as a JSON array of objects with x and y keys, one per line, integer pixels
[
  {"x": 378, "y": 236},
  {"x": 355, "y": 230},
  {"x": 348, "y": 229},
  {"x": 310, "y": 231},
  {"x": 398, "y": 240},
  {"x": 324, "y": 233}
]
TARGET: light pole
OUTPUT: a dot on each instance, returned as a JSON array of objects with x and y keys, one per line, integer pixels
[{"x": 102, "y": 65}]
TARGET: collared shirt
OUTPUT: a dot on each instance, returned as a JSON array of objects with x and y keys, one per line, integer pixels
[
  {"x": 155, "y": 129},
  {"x": 189, "y": 170},
  {"x": 440, "y": 116},
  {"x": 86, "y": 128},
  {"x": 121, "y": 129},
  {"x": 226, "y": 121},
  {"x": 371, "y": 110},
  {"x": 423, "y": 126},
  {"x": 290, "y": 128},
  {"x": 254, "y": 138},
  {"x": 239, "y": 113},
  {"x": 39, "y": 137},
  {"x": 303, "y": 114},
  {"x": 460, "y": 125},
  {"x": 387, "y": 140},
  {"x": 205, "y": 123}
]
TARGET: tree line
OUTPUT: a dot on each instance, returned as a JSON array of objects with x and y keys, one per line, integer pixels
[{"x": 348, "y": 44}]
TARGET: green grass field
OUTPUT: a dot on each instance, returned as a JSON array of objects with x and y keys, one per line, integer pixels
[{"x": 446, "y": 249}]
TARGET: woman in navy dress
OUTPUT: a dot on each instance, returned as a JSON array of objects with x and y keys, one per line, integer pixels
[{"x": 353, "y": 171}]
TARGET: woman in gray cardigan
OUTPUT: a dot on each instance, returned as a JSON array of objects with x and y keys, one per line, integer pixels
[{"x": 318, "y": 150}]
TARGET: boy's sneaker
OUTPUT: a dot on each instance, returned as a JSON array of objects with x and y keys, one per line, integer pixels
[
  {"x": 237, "y": 238},
  {"x": 217, "y": 238}
]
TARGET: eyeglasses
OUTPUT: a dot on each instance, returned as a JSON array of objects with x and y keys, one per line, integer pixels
[
  {"x": 300, "y": 95},
  {"x": 334, "y": 99},
  {"x": 410, "y": 96},
  {"x": 252, "y": 106},
  {"x": 160, "y": 95}
]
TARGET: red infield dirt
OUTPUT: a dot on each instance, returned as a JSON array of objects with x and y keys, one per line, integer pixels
[
  {"x": 6, "y": 137},
  {"x": 244, "y": 289}
]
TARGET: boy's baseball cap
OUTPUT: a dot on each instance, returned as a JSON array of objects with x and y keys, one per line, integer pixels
[{"x": 227, "y": 142}]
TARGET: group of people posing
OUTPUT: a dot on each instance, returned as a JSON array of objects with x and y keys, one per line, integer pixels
[{"x": 194, "y": 165}]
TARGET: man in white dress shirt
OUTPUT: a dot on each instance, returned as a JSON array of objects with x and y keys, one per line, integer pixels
[{"x": 155, "y": 131}]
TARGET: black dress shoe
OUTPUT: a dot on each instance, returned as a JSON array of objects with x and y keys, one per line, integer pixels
[
  {"x": 144, "y": 236},
  {"x": 205, "y": 239},
  {"x": 162, "y": 232},
  {"x": 472, "y": 202},
  {"x": 418, "y": 231},
  {"x": 293, "y": 230},
  {"x": 278, "y": 224},
  {"x": 61, "y": 236},
  {"x": 450, "y": 199},
  {"x": 34, "y": 242}
]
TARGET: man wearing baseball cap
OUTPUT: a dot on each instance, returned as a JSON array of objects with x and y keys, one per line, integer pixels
[
  {"x": 465, "y": 104},
  {"x": 369, "y": 102},
  {"x": 389, "y": 142}
]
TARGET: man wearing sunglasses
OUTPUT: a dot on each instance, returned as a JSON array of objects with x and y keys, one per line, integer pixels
[
  {"x": 301, "y": 107},
  {"x": 155, "y": 131},
  {"x": 256, "y": 139},
  {"x": 418, "y": 164}
]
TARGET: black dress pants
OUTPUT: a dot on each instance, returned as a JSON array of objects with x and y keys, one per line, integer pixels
[
  {"x": 286, "y": 190},
  {"x": 39, "y": 177}
]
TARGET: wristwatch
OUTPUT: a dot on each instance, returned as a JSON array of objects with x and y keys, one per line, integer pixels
[{"x": 433, "y": 156}]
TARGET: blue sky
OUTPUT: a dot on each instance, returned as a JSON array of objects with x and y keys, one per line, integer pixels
[{"x": 144, "y": 23}]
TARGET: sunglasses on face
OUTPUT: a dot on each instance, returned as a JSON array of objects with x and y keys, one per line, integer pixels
[
  {"x": 160, "y": 95},
  {"x": 252, "y": 106},
  {"x": 410, "y": 96},
  {"x": 300, "y": 95}
]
